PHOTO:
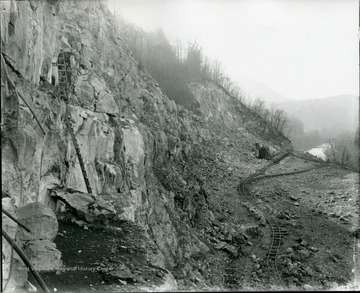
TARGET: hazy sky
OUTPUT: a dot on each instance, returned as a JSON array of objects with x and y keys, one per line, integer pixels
[{"x": 300, "y": 48}]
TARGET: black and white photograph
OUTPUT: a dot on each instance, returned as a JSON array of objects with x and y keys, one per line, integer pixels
[{"x": 180, "y": 145}]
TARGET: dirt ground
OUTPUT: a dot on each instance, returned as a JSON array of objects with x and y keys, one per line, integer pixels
[
  {"x": 90, "y": 255},
  {"x": 318, "y": 210},
  {"x": 316, "y": 205}
]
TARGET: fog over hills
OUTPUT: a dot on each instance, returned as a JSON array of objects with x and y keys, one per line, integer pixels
[
  {"x": 337, "y": 112},
  {"x": 255, "y": 89}
]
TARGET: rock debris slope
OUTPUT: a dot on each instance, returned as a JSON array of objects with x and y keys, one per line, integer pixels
[
  {"x": 130, "y": 135},
  {"x": 163, "y": 179}
]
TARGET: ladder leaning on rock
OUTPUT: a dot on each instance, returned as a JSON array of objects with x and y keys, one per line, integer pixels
[{"x": 63, "y": 85}]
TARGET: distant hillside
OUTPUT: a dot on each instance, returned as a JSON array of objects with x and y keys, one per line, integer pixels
[
  {"x": 337, "y": 113},
  {"x": 255, "y": 89}
]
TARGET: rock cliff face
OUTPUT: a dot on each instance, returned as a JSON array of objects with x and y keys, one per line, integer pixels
[{"x": 127, "y": 130}]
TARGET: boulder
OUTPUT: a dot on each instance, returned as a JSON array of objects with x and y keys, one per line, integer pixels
[
  {"x": 356, "y": 233},
  {"x": 86, "y": 206},
  {"x": 313, "y": 249},
  {"x": 156, "y": 258},
  {"x": 343, "y": 219},
  {"x": 41, "y": 221},
  {"x": 37, "y": 244},
  {"x": 292, "y": 197},
  {"x": 284, "y": 216},
  {"x": 297, "y": 256},
  {"x": 173, "y": 144},
  {"x": 289, "y": 250},
  {"x": 309, "y": 271},
  {"x": 122, "y": 273},
  {"x": 229, "y": 237},
  {"x": 220, "y": 245},
  {"x": 239, "y": 238},
  {"x": 264, "y": 153},
  {"x": 308, "y": 287},
  {"x": 231, "y": 249},
  {"x": 29, "y": 287},
  {"x": 43, "y": 255},
  {"x": 250, "y": 229}
]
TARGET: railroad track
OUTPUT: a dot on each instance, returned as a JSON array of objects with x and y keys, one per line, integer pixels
[
  {"x": 288, "y": 173},
  {"x": 320, "y": 161},
  {"x": 231, "y": 274},
  {"x": 277, "y": 234},
  {"x": 277, "y": 231}
]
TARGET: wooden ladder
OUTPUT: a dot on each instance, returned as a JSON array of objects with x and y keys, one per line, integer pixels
[{"x": 63, "y": 86}]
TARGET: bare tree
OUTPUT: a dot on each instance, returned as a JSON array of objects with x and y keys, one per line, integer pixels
[
  {"x": 343, "y": 150},
  {"x": 258, "y": 106},
  {"x": 193, "y": 61}
]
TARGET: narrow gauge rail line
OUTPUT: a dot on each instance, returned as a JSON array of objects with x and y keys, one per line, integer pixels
[
  {"x": 232, "y": 268},
  {"x": 277, "y": 231},
  {"x": 320, "y": 161},
  {"x": 276, "y": 235},
  {"x": 287, "y": 174}
]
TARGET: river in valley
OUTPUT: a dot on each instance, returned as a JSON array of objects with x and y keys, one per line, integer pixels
[{"x": 318, "y": 151}]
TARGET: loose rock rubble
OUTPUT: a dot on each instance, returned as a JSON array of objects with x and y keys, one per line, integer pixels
[{"x": 165, "y": 212}]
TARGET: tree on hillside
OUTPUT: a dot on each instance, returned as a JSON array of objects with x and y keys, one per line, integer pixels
[
  {"x": 179, "y": 51},
  {"x": 294, "y": 127},
  {"x": 258, "y": 106},
  {"x": 357, "y": 138},
  {"x": 193, "y": 62},
  {"x": 174, "y": 67},
  {"x": 266, "y": 114},
  {"x": 217, "y": 72},
  {"x": 206, "y": 68},
  {"x": 277, "y": 118},
  {"x": 343, "y": 150}
]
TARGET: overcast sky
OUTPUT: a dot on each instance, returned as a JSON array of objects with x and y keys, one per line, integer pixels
[{"x": 300, "y": 48}]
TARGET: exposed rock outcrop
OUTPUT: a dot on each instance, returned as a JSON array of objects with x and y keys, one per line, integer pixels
[
  {"x": 41, "y": 221},
  {"x": 38, "y": 243},
  {"x": 130, "y": 135},
  {"x": 84, "y": 206}
]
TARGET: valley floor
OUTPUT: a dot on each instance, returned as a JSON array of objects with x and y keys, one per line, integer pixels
[{"x": 319, "y": 210}]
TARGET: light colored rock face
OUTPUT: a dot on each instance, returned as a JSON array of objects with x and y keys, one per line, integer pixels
[
  {"x": 43, "y": 255},
  {"x": 41, "y": 221},
  {"x": 10, "y": 227},
  {"x": 169, "y": 284},
  {"x": 124, "y": 125},
  {"x": 37, "y": 245},
  {"x": 118, "y": 152},
  {"x": 134, "y": 152},
  {"x": 216, "y": 105}
]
